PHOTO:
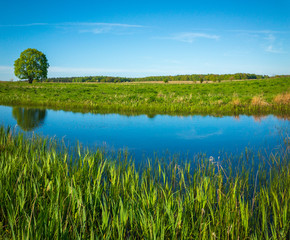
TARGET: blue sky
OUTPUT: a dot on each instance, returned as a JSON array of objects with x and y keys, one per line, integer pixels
[{"x": 145, "y": 38}]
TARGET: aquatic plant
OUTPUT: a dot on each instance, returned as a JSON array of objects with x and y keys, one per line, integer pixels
[{"x": 48, "y": 192}]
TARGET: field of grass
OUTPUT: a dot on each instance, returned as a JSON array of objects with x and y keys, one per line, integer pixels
[
  {"x": 45, "y": 195},
  {"x": 262, "y": 96}
]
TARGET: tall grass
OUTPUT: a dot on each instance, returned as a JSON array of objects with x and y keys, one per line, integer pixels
[{"x": 44, "y": 194}]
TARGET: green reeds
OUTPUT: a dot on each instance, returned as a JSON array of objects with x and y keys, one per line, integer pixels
[{"x": 45, "y": 194}]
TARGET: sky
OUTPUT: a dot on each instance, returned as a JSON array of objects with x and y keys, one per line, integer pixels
[{"x": 148, "y": 38}]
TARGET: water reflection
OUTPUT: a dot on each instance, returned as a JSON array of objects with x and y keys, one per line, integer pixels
[
  {"x": 150, "y": 115},
  {"x": 28, "y": 118},
  {"x": 145, "y": 135},
  {"x": 236, "y": 117},
  {"x": 259, "y": 118}
]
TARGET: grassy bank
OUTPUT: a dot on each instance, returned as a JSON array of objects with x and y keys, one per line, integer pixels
[
  {"x": 243, "y": 97},
  {"x": 43, "y": 195}
]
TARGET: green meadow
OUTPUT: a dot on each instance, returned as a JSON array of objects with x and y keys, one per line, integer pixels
[
  {"x": 263, "y": 96},
  {"x": 44, "y": 194}
]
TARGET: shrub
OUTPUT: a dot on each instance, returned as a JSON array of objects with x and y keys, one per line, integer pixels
[
  {"x": 258, "y": 101},
  {"x": 283, "y": 98}
]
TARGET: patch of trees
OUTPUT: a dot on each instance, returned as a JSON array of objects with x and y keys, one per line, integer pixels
[
  {"x": 204, "y": 77},
  {"x": 278, "y": 76},
  {"x": 89, "y": 79},
  {"x": 192, "y": 77}
]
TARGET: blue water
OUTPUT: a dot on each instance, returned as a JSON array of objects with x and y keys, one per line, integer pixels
[{"x": 143, "y": 136}]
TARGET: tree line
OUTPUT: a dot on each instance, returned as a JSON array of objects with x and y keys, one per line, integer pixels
[
  {"x": 192, "y": 77},
  {"x": 89, "y": 79}
]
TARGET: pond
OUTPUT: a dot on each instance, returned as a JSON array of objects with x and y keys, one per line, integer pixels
[{"x": 144, "y": 135}]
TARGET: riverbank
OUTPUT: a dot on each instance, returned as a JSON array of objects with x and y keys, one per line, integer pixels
[
  {"x": 264, "y": 96},
  {"x": 44, "y": 195}
]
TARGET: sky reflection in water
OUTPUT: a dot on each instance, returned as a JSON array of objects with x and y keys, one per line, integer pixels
[{"x": 143, "y": 136}]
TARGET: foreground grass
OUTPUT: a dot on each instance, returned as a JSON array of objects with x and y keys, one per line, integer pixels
[
  {"x": 242, "y": 97},
  {"x": 44, "y": 195}
]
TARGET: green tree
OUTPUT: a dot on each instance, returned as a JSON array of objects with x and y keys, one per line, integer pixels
[
  {"x": 32, "y": 64},
  {"x": 194, "y": 78},
  {"x": 201, "y": 78}
]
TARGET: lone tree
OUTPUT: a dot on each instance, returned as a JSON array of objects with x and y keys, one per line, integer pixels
[{"x": 32, "y": 65}]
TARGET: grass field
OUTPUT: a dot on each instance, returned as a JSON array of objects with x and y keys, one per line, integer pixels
[
  {"x": 44, "y": 195},
  {"x": 262, "y": 96}
]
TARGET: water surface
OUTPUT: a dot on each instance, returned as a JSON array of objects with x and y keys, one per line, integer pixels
[{"x": 143, "y": 136}]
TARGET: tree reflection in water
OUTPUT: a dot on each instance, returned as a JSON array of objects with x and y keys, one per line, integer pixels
[{"x": 29, "y": 118}]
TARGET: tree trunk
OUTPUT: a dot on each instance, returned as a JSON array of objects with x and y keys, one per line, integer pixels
[{"x": 30, "y": 80}]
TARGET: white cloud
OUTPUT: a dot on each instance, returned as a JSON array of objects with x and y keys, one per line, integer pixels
[
  {"x": 25, "y": 25},
  {"x": 58, "y": 71},
  {"x": 271, "y": 44},
  {"x": 257, "y": 31},
  {"x": 97, "y": 71},
  {"x": 270, "y": 37},
  {"x": 6, "y": 68},
  {"x": 189, "y": 37},
  {"x": 271, "y": 49},
  {"x": 95, "y": 30},
  {"x": 75, "y": 24},
  {"x": 6, "y": 73},
  {"x": 83, "y": 27},
  {"x": 99, "y": 28},
  {"x": 269, "y": 40},
  {"x": 101, "y": 24}
]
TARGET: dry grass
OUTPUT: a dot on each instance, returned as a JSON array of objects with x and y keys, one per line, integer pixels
[
  {"x": 236, "y": 102},
  {"x": 283, "y": 98},
  {"x": 219, "y": 102},
  {"x": 258, "y": 101},
  {"x": 179, "y": 99}
]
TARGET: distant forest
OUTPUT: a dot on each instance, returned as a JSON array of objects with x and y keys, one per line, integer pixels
[{"x": 193, "y": 77}]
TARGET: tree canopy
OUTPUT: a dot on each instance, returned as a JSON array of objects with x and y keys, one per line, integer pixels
[{"x": 31, "y": 65}]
